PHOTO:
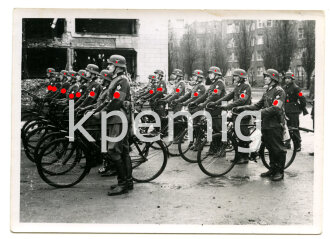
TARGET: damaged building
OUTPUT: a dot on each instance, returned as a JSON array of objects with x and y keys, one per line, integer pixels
[{"x": 72, "y": 43}]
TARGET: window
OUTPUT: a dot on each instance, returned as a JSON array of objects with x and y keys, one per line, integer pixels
[
  {"x": 260, "y": 40},
  {"x": 236, "y": 28},
  {"x": 106, "y": 26},
  {"x": 260, "y": 24},
  {"x": 253, "y": 27},
  {"x": 41, "y": 28},
  {"x": 230, "y": 28},
  {"x": 269, "y": 23},
  {"x": 300, "y": 33},
  {"x": 232, "y": 57},
  {"x": 252, "y": 41},
  {"x": 229, "y": 72},
  {"x": 259, "y": 56},
  {"x": 260, "y": 71},
  {"x": 231, "y": 43}
]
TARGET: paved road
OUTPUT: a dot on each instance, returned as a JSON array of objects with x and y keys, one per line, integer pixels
[{"x": 182, "y": 194}]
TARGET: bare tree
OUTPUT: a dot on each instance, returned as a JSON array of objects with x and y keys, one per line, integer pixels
[
  {"x": 280, "y": 45},
  {"x": 220, "y": 54},
  {"x": 308, "y": 44},
  {"x": 243, "y": 40},
  {"x": 189, "y": 49}
]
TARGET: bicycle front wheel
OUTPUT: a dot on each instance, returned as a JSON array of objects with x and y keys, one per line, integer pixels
[
  {"x": 148, "y": 160},
  {"x": 65, "y": 166},
  {"x": 217, "y": 158}
]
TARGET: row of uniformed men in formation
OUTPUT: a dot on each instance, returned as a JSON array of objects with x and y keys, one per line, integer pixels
[
  {"x": 113, "y": 92},
  {"x": 275, "y": 104}
]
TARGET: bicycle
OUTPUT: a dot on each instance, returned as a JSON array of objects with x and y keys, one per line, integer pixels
[
  {"x": 226, "y": 157},
  {"x": 69, "y": 162}
]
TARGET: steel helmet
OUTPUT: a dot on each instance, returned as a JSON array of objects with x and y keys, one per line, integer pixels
[
  {"x": 106, "y": 75},
  {"x": 241, "y": 73},
  {"x": 50, "y": 70},
  {"x": 73, "y": 74},
  {"x": 82, "y": 73},
  {"x": 64, "y": 73},
  {"x": 198, "y": 73},
  {"x": 273, "y": 74},
  {"x": 177, "y": 72},
  {"x": 159, "y": 72},
  {"x": 215, "y": 70},
  {"x": 289, "y": 74},
  {"x": 93, "y": 69},
  {"x": 117, "y": 60},
  {"x": 152, "y": 77}
]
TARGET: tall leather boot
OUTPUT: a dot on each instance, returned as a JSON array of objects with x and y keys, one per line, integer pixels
[
  {"x": 280, "y": 164},
  {"x": 128, "y": 166},
  {"x": 272, "y": 167},
  {"x": 121, "y": 188}
]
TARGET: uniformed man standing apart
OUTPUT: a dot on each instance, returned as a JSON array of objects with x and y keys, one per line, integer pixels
[
  {"x": 272, "y": 123},
  {"x": 295, "y": 103},
  {"x": 241, "y": 95},
  {"x": 119, "y": 98}
]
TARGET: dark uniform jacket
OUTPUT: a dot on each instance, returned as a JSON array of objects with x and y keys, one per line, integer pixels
[
  {"x": 241, "y": 95},
  {"x": 118, "y": 93},
  {"x": 88, "y": 98},
  {"x": 295, "y": 102},
  {"x": 216, "y": 91},
  {"x": 272, "y": 107},
  {"x": 179, "y": 90},
  {"x": 161, "y": 90},
  {"x": 196, "y": 92}
]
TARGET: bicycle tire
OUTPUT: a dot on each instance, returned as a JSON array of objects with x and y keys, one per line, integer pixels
[
  {"x": 143, "y": 157},
  {"x": 265, "y": 161},
  {"x": 231, "y": 163},
  {"x": 46, "y": 177}
]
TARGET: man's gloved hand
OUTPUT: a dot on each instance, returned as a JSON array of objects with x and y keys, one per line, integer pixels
[
  {"x": 210, "y": 105},
  {"x": 192, "y": 104},
  {"x": 238, "y": 109}
]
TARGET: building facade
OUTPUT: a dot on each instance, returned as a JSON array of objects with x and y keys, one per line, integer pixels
[{"x": 72, "y": 43}]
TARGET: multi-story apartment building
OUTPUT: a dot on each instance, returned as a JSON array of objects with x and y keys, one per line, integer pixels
[{"x": 205, "y": 32}]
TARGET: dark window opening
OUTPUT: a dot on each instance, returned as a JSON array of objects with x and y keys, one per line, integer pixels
[
  {"x": 41, "y": 28},
  {"x": 83, "y": 57},
  {"x": 35, "y": 61},
  {"x": 106, "y": 26}
]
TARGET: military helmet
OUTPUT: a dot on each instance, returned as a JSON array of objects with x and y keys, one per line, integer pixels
[
  {"x": 215, "y": 70},
  {"x": 241, "y": 73},
  {"x": 93, "y": 69},
  {"x": 72, "y": 74},
  {"x": 198, "y": 73},
  {"x": 106, "y": 75},
  {"x": 273, "y": 74},
  {"x": 82, "y": 73},
  {"x": 64, "y": 73},
  {"x": 117, "y": 60},
  {"x": 159, "y": 72},
  {"x": 50, "y": 70},
  {"x": 177, "y": 72},
  {"x": 152, "y": 77},
  {"x": 289, "y": 74}
]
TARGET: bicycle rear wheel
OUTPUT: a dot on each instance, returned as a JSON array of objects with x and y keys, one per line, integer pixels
[
  {"x": 218, "y": 158},
  {"x": 65, "y": 166},
  {"x": 290, "y": 155},
  {"x": 32, "y": 139},
  {"x": 148, "y": 160}
]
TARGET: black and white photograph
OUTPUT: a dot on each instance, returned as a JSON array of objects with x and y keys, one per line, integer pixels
[{"x": 167, "y": 121}]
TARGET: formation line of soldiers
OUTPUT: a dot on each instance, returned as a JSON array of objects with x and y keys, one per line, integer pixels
[{"x": 110, "y": 90}]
